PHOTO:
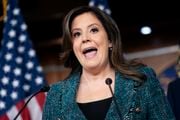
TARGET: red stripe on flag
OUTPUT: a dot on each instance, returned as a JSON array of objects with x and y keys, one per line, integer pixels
[
  {"x": 41, "y": 99},
  {"x": 25, "y": 113},
  {"x": 4, "y": 117}
]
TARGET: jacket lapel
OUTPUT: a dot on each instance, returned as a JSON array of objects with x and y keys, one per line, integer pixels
[{"x": 71, "y": 110}]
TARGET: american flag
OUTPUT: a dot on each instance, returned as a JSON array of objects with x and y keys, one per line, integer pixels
[
  {"x": 20, "y": 72},
  {"x": 101, "y": 4}
]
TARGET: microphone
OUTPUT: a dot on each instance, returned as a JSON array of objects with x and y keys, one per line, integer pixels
[
  {"x": 43, "y": 89},
  {"x": 108, "y": 82}
]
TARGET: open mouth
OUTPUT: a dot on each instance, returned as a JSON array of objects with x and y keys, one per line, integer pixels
[
  {"x": 90, "y": 52},
  {"x": 90, "y": 49}
]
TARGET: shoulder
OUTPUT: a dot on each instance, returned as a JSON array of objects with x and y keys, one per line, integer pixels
[
  {"x": 151, "y": 89},
  {"x": 152, "y": 86},
  {"x": 151, "y": 80},
  {"x": 59, "y": 86},
  {"x": 63, "y": 85},
  {"x": 150, "y": 77},
  {"x": 148, "y": 71}
]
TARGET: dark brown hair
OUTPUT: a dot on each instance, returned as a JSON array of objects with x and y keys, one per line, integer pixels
[{"x": 117, "y": 61}]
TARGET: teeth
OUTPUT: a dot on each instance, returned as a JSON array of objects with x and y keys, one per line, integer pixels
[{"x": 89, "y": 50}]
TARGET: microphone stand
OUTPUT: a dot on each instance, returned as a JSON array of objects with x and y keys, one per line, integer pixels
[
  {"x": 109, "y": 82},
  {"x": 43, "y": 89}
]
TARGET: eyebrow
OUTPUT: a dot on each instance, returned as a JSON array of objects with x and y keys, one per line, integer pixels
[{"x": 93, "y": 24}]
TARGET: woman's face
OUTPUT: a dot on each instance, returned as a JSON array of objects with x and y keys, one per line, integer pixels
[{"x": 90, "y": 41}]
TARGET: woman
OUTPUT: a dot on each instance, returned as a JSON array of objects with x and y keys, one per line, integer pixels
[{"x": 92, "y": 46}]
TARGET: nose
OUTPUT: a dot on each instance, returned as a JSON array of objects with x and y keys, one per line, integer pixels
[{"x": 85, "y": 38}]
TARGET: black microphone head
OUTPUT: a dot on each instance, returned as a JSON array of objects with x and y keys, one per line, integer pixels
[
  {"x": 45, "y": 89},
  {"x": 108, "y": 81}
]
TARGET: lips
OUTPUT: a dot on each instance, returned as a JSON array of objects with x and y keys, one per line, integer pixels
[
  {"x": 89, "y": 49},
  {"x": 90, "y": 52}
]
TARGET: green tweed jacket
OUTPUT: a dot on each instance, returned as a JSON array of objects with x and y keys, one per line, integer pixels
[{"x": 135, "y": 101}]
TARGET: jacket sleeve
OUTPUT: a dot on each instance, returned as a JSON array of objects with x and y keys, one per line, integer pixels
[{"x": 158, "y": 105}]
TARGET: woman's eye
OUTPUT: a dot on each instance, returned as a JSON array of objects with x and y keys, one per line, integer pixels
[
  {"x": 94, "y": 30},
  {"x": 76, "y": 34}
]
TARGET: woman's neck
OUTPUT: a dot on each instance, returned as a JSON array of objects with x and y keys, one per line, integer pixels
[
  {"x": 97, "y": 76},
  {"x": 92, "y": 85}
]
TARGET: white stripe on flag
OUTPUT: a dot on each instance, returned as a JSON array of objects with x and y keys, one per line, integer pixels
[
  {"x": 12, "y": 113},
  {"x": 34, "y": 109}
]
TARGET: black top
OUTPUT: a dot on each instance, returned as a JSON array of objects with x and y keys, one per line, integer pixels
[{"x": 95, "y": 110}]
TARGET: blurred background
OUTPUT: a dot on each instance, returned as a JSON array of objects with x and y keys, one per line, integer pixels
[{"x": 150, "y": 31}]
